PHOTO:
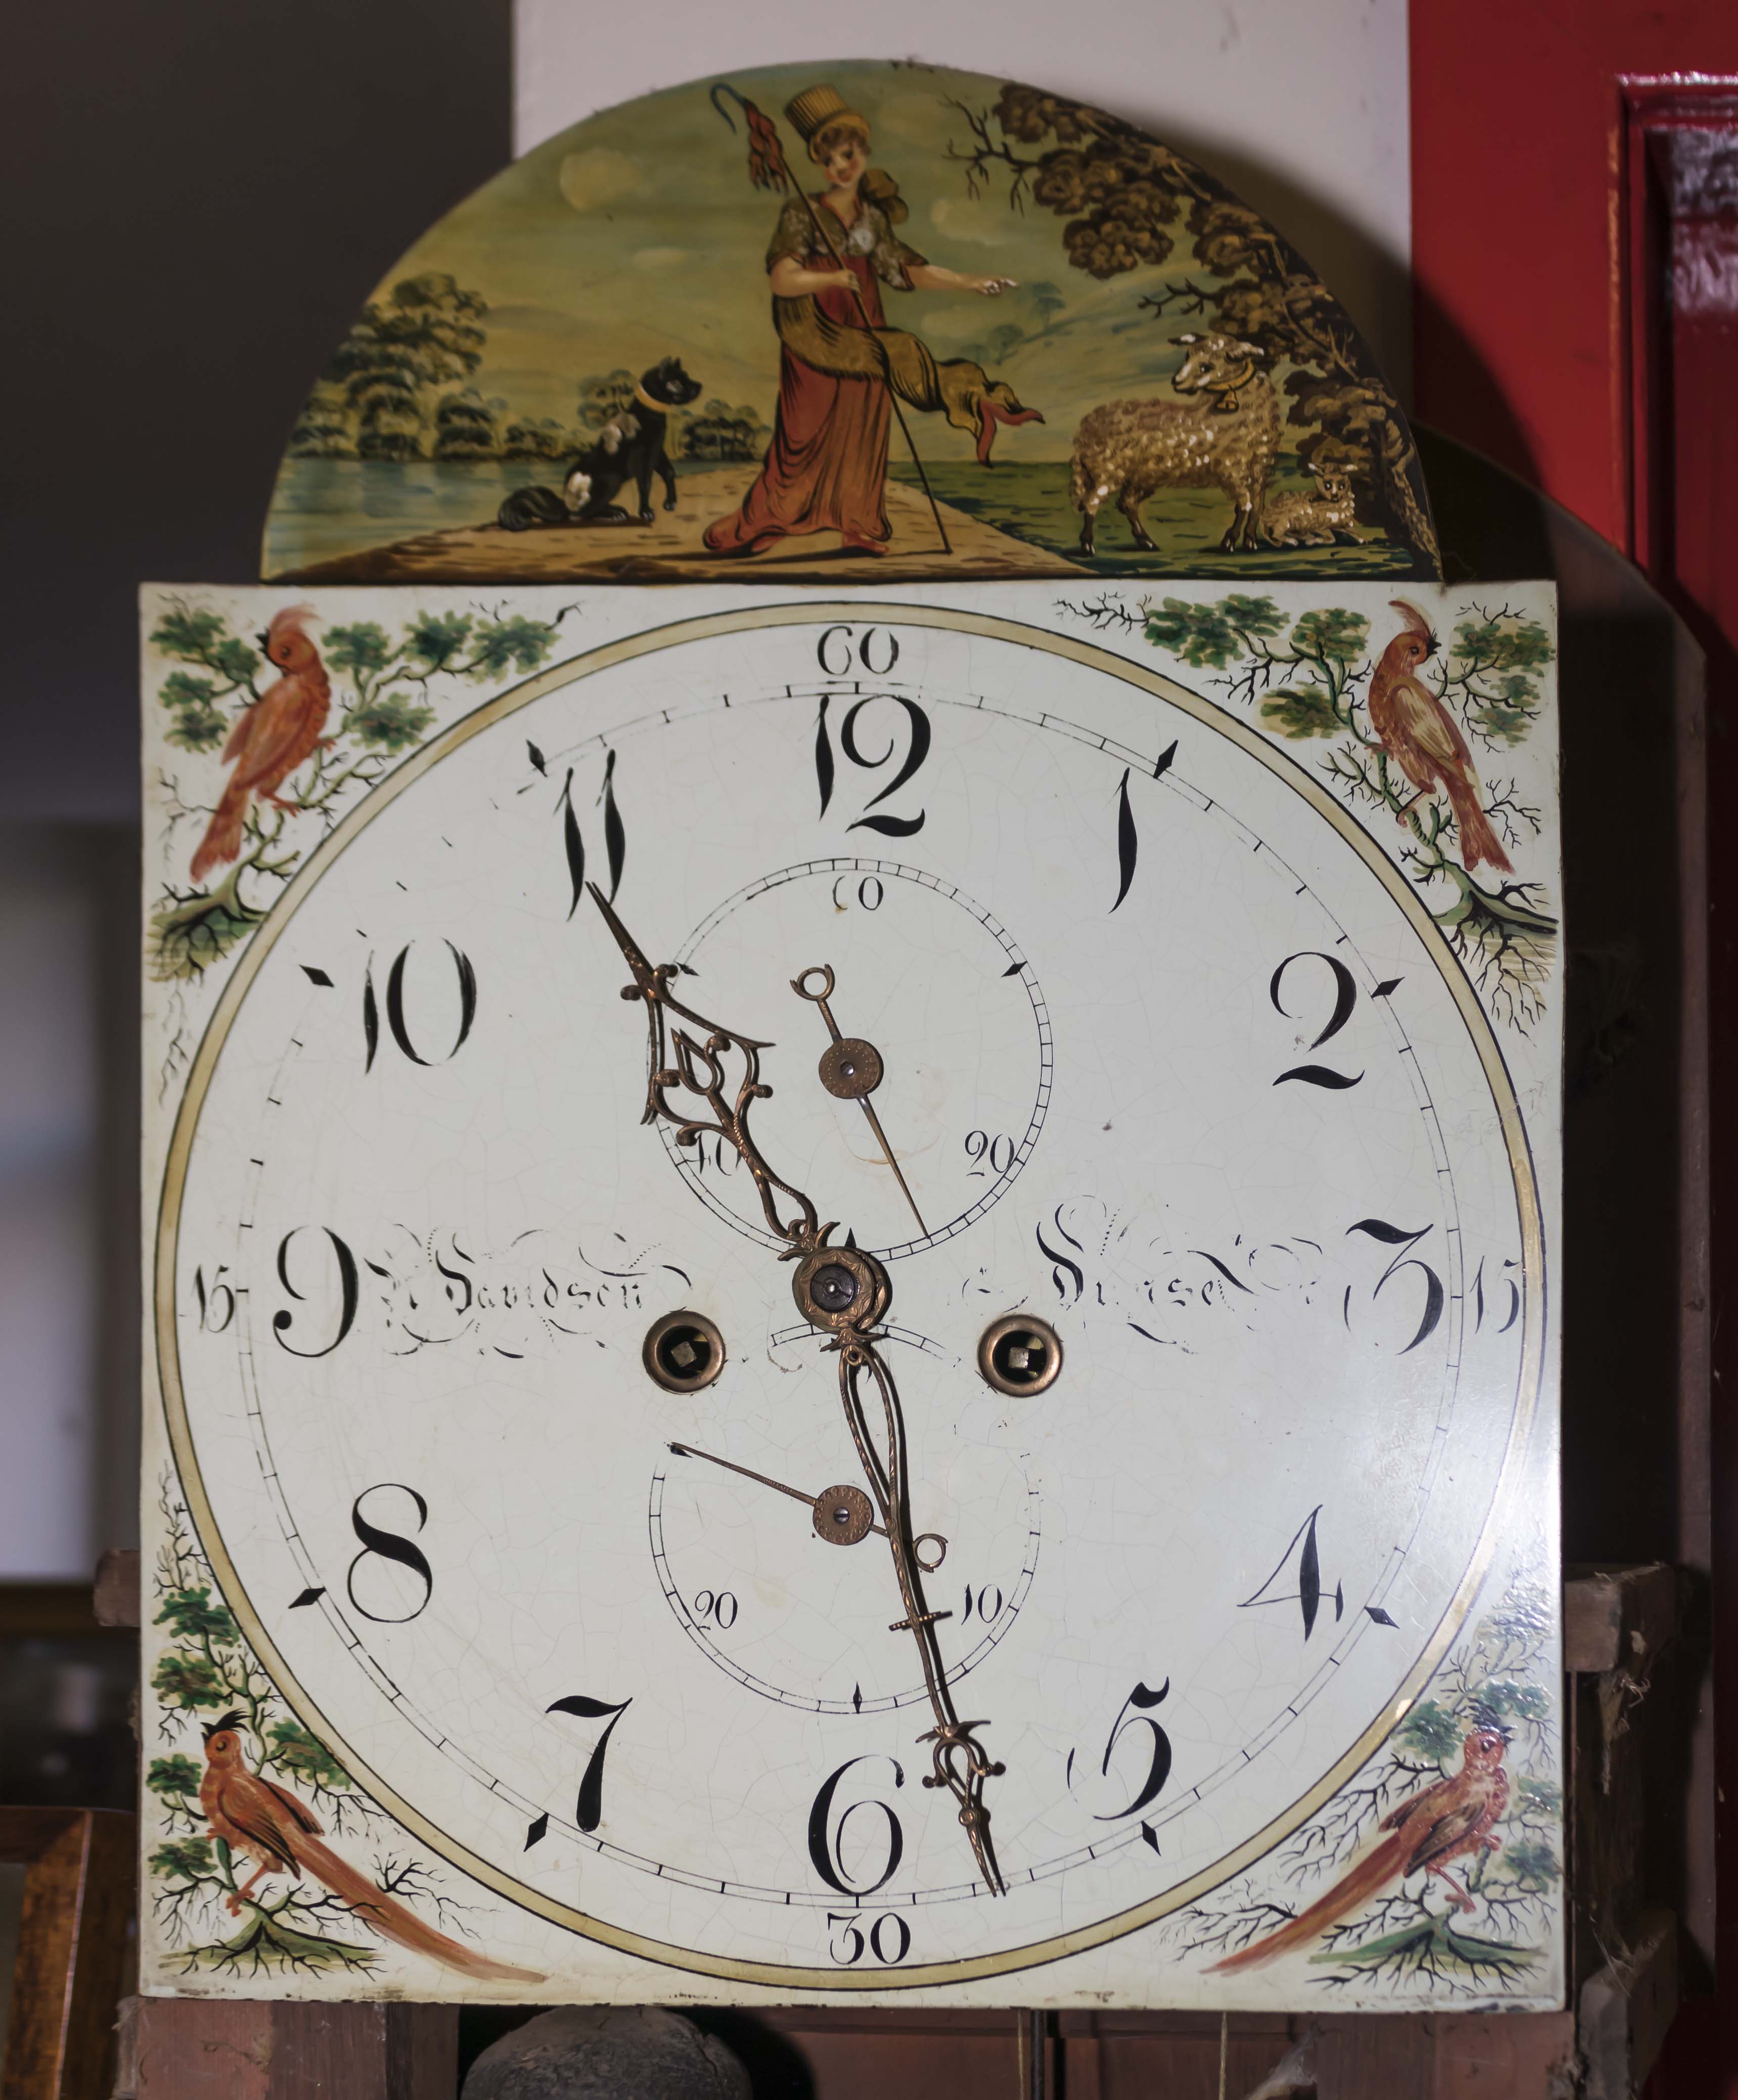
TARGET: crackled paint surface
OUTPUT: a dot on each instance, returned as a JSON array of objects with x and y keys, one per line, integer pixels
[{"x": 1212, "y": 1035}]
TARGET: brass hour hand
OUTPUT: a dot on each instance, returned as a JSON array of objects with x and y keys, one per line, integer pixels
[{"x": 851, "y": 1069}]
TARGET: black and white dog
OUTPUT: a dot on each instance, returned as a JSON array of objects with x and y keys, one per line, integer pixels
[{"x": 630, "y": 447}]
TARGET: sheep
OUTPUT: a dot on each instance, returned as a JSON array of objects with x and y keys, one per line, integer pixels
[
  {"x": 1226, "y": 437},
  {"x": 1323, "y": 516}
]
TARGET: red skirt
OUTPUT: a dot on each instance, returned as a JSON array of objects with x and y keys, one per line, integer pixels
[{"x": 826, "y": 469}]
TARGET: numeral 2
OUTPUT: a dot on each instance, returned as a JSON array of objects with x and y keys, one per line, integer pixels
[{"x": 916, "y": 750}]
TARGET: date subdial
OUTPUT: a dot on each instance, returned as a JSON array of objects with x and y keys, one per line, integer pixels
[
  {"x": 952, "y": 1008},
  {"x": 765, "y": 1550}
]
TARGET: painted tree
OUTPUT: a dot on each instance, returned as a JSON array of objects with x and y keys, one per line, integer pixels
[
  {"x": 425, "y": 335},
  {"x": 545, "y": 439},
  {"x": 1129, "y": 201},
  {"x": 1308, "y": 678},
  {"x": 721, "y": 432},
  {"x": 326, "y": 428},
  {"x": 205, "y": 1669},
  {"x": 384, "y": 689},
  {"x": 1496, "y": 1677},
  {"x": 464, "y": 428},
  {"x": 604, "y": 396}
]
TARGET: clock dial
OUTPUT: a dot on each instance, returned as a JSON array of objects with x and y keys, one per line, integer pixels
[{"x": 1167, "y": 1055}]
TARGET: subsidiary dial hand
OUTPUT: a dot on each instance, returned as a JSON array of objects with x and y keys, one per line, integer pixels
[
  {"x": 844, "y": 1292},
  {"x": 852, "y": 1070},
  {"x": 841, "y": 1514}
]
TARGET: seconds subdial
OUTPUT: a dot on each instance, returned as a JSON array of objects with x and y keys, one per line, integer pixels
[
  {"x": 790, "y": 1600},
  {"x": 955, "y": 1012}
]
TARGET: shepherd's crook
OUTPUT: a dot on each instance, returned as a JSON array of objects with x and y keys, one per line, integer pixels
[{"x": 768, "y": 169}]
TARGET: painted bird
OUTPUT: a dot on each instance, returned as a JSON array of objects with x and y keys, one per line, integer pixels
[
  {"x": 255, "y": 1815},
  {"x": 272, "y": 737},
  {"x": 1419, "y": 735},
  {"x": 1430, "y": 1828}
]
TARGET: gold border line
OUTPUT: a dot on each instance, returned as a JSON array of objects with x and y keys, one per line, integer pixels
[{"x": 990, "y": 627}]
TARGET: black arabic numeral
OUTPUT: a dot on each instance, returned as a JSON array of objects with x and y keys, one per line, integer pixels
[
  {"x": 1128, "y": 843},
  {"x": 1435, "y": 1297},
  {"x": 614, "y": 838},
  {"x": 1158, "y": 1762},
  {"x": 572, "y": 844},
  {"x": 723, "y": 1158},
  {"x": 826, "y": 1836},
  {"x": 349, "y": 1290},
  {"x": 835, "y": 654},
  {"x": 1345, "y": 998},
  {"x": 888, "y": 1947},
  {"x": 1481, "y": 1306},
  {"x": 211, "y": 1320},
  {"x": 1307, "y": 1595},
  {"x": 719, "y": 1606},
  {"x": 838, "y": 643},
  {"x": 588, "y": 1810},
  {"x": 823, "y": 756},
  {"x": 391, "y": 1546},
  {"x": 370, "y": 1017},
  {"x": 467, "y": 989},
  {"x": 995, "y": 1153},
  {"x": 614, "y": 834}
]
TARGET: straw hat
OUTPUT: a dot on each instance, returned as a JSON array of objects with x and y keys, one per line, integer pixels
[{"x": 818, "y": 109}]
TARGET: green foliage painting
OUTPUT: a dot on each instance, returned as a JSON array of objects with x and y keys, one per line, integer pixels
[
  {"x": 1129, "y": 201},
  {"x": 1307, "y": 679},
  {"x": 206, "y": 1670},
  {"x": 1412, "y": 1932},
  {"x": 381, "y": 688}
]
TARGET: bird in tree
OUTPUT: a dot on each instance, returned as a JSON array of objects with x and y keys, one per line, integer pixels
[
  {"x": 254, "y": 1815},
  {"x": 1431, "y": 1827},
  {"x": 1420, "y": 735},
  {"x": 272, "y": 737}
]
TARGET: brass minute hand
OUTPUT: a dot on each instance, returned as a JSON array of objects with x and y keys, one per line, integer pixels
[{"x": 844, "y": 1292}]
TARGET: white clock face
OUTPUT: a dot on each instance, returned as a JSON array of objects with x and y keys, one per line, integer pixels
[{"x": 1172, "y": 1060}]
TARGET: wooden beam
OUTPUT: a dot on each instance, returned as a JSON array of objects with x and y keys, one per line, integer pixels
[
  {"x": 230, "y": 2048},
  {"x": 1618, "y": 1618}
]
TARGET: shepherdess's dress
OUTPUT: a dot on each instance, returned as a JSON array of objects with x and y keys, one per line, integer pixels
[{"x": 826, "y": 469}]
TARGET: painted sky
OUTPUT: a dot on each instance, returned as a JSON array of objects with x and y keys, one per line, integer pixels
[{"x": 636, "y": 235}]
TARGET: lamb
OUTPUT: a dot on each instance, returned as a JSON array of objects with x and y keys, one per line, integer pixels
[
  {"x": 1225, "y": 437},
  {"x": 1318, "y": 517}
]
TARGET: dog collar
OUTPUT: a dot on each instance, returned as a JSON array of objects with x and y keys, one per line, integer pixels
[{"x": 645, "y": 401}]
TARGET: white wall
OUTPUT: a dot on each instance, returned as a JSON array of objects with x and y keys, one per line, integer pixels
[{"x": 1299, "y": 105}]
